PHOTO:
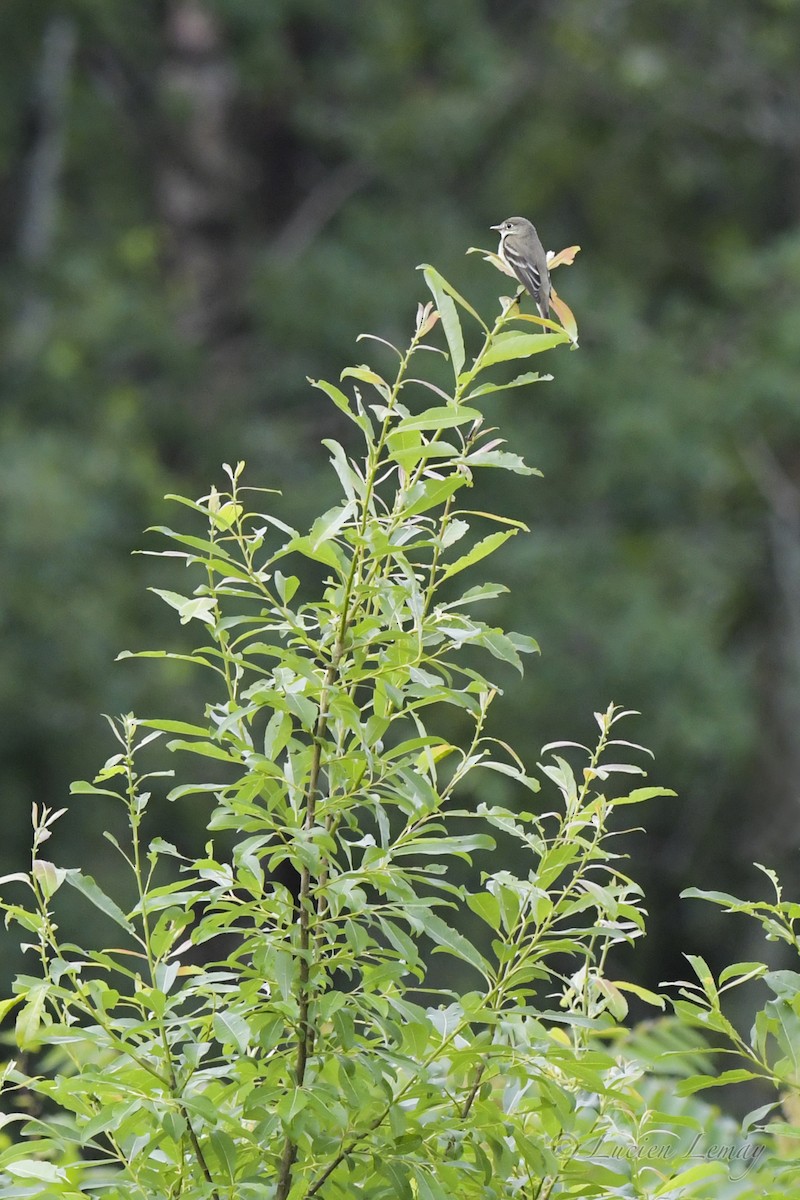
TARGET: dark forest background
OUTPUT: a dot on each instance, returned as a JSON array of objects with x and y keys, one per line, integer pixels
[{"x": 202, "y": 203}]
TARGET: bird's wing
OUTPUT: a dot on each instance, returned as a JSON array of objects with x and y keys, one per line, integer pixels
[{"x": 528, "y": 276}]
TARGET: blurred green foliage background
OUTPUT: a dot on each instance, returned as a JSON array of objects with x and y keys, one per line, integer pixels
[{"x": 205, "y": 201}]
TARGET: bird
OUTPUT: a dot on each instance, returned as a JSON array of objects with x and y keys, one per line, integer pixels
[{"x": 522, "y": 251}]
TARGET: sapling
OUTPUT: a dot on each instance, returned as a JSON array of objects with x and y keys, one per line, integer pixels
[{"x": 319, "y": 1054}]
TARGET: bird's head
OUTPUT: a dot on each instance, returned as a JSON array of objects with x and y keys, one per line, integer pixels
[{"x": 512, "y": 225}]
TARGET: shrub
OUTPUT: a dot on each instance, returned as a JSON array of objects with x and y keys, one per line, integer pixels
[{"x": 316, "y": 1051}]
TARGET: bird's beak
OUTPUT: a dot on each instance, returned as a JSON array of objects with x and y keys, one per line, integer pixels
[{"x": 498, "y": 227}]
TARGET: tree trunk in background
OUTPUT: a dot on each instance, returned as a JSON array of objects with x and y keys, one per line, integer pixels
[
  {"x": 779, "y": 777},
  {"x": 202, "y": 178},
  {"x": 39, "y": 193}
]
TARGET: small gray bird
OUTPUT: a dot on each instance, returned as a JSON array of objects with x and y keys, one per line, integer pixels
[{"x": 521, "y": 250}]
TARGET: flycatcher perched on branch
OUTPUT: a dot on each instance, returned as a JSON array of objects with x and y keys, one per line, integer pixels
[{"x": 521, "y": 250}]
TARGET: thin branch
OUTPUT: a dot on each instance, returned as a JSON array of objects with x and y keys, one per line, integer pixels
[{"x": 318, "y": 209}]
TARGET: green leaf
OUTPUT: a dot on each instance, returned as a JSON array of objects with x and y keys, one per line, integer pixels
[
  {"x": 226, "y": 515},
  {"x": 507, "y": 346},
  {"x": 785, "y": 984},
  {"x": 500, "y": 645},
  {"x": 428, "y": 1186},
  {"x": 486, "y": 906},
  {"x": 196, "y": 659},
  {"x": 336, "y": 395},
  {"x": 741, "y": 972},
  {"x": 439, "y": 418},
  {"x": 642, "y": 992},
  {"x": 449, "y": 941},
  {"x": 430, "y": 493},
  {"x": 449, "y": 318},
  {"x": 675, "y": 1184},
  {"x": 232, "y": 1030},
  {"x": 351, "y": 482},
  {"x": 326, "y": 552},
  {"x": 486, "y": 389},
  {"x": 9, "y": 1003},
  {"x": 34, "y": 1168},
  {"x": 432, "y": 275},
  {"x": 638, "y": 795},
  {"x": 725, "y": 898},
  {"x": 175, "y": 727},
  {"x": 81, "y": 787},
  {"x": 287, "y": 585},
  {"x": 48, "y": 876},
  {"x": 361, "y": 419},
  {"x": 197, "y": 608},
  {"x": 367, "y": 375},
  {"x": 96, "y": 896},
  {"x": 207, "y": 549},
  {"x": 160, "y": 846},
  {"x": 326, "y": 527},
  {"x": 502, "y": 459},
  {"x": 29, "y": 1017},
  {"x": 481, "y": 591},
  {"x": 705, "y": 976},
  {"x": 457, "y": 845},
  {"x": 481, "y": 549},
  {"x": 407, "y": 447},
  {"x": 224, "y": 1148},
  {"x": 489, "y": 516},
  {"x": 697, "y": 1083},
  {"x": 21, "y": 876},
  {"x": 758, "y": 1114},
  {"x": 207, "y": 749},
  {"x": 277, "y": 734}
]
